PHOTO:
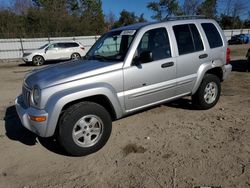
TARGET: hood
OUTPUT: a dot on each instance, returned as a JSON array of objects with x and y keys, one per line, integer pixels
[
  {"x": 67, "y": 72},
  {"x": 34, "y": 51}
]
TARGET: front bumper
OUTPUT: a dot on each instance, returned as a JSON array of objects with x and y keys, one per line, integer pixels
[
  {"x": 226, "y": 71},
  {"x": 27, "y": 59},
  {"x": 24, "y": 113}
]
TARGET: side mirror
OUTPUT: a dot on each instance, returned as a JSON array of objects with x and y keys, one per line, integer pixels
[
  {"x": 45, "y": 50},
  {"x": 146, "y": 57}
]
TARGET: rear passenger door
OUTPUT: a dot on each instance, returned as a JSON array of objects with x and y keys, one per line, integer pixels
[
  {"x": 63, "y": 51},
  {"x": 191, "y": 54}
]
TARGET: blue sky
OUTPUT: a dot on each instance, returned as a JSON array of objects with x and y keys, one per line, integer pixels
[{"x": 137, "y": 6}]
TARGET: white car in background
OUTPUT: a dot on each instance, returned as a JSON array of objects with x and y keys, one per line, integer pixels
[{"x": 54, "y": 51}]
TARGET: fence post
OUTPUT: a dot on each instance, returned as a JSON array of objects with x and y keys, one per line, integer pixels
[
  {"x": 21, "y": 42},
  {"x": 48, "y": 39}
]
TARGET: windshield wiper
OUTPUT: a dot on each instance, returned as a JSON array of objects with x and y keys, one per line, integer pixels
[{"x": 99, "y": 57}]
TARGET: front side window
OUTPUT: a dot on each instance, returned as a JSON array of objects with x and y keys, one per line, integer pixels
[
  {"x": 52, "y": 46},
  {"x": 188, "y": 38},
  {"x": 157, "y": 42},
  {"x": 112, "y": 46}
]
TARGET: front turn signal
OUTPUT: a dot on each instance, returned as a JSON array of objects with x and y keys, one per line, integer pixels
[{"x": 38, "y": 118}]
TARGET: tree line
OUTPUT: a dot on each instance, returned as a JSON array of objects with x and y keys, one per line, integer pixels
[{"x": 55, "y": 18}]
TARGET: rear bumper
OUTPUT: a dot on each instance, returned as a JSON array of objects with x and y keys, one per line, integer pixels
[
  {"x": 226, "y": 71},
  {"x": 24, "y": 113}
]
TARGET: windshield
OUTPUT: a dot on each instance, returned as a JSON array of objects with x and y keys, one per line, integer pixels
[
  {"x": 42, "y": 47},
  {"x": 112, "y": 46}
]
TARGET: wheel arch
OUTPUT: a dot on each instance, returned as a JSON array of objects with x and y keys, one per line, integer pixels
[
  {"x": 58, "y": 103},
  {"x": 206, "y": 69},
  {"x": 99, "y": 99}
]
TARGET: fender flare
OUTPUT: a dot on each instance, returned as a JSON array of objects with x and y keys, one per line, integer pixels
[
  {"x": 200, "y": 74},
  {"x": 58, "y": 100}
]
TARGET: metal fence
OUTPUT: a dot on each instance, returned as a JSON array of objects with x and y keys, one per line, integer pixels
[
  {"x": 230, "y": 32},
  {"x": 14, "y": 48}
]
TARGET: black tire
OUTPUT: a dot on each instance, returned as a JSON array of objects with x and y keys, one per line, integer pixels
[
  {"x": 38, "y": 60},
  {"x": 68, "y": 124},
  {"x": 28, "y": 63},
  {"x": 198, "y": 99},
  {"x": 75, "y": 56}
]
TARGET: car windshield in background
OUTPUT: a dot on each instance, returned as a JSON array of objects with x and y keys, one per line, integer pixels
[
  {"x": 42, "y": 47},
  {"x": 112, "y": 46}
]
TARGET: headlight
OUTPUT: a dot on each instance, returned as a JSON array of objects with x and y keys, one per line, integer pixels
[
  {"x": 36, "y": 95},
  {"x": 26, "y": 54}
]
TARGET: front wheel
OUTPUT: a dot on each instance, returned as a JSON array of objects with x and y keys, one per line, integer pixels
[
  {"x": 84, "y": 128},
  {"x": 208, "y": 93},
  {"x": 38, "y": 60}
]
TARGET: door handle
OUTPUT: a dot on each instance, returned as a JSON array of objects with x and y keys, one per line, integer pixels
[
  {"x": 202, "y": 56},
  {"x": 168, "y": 64}
]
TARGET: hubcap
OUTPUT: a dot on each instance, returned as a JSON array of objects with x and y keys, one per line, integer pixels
[
  {"x": 38, "y": 60},
  {"x": 75, "y": 56},
  {"x": 87, "y": 131},
  {"x": 211, "y": 92}
]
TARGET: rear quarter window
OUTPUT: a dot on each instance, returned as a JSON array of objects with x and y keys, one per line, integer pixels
[{"x": 213, "y": 35}]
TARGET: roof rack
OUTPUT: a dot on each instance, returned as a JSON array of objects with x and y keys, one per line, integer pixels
[{"x": 186, "y": 17}]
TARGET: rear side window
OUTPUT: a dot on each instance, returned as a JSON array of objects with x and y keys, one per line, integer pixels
[
  {"x": 213, "y": 36},
  {"x": 71, "y": 44},
  {"x": 188, "y": 38},
  {"x": 196, "y": 37},
  {"x": 61, "y": 45}
]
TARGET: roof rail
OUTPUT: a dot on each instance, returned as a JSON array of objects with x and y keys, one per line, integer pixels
[{"x": 186, "y": 17}]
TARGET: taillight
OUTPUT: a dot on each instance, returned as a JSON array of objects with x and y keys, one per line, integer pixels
[
  {"x": 228, "y": 56},
  {"x": 82, "y": 48}
]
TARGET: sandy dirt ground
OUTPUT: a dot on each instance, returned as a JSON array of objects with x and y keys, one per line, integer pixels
[{"x": 171, "y": 145}]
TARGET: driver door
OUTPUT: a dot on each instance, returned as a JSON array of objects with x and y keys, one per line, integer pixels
[
  {"x": 51, "y": 52},
  {"x": 147, "y": 83}
]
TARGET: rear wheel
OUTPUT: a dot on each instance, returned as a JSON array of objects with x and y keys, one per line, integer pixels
[
  {"x": 208, "y": 93},
  {"x": 84, "y": 128},
  {"x": 38, "y": 60},
  {"x": 75, "y": 56}
]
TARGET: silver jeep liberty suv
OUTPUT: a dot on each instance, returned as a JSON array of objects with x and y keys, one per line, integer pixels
[{"x": 126, "y": 70}]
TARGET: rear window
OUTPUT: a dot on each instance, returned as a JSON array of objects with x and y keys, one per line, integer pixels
[
  {"x": 213, "y": 35},
  {"x": 188, "y": 38}
]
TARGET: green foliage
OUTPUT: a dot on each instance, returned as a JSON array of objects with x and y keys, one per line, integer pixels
[
  {"x": 164, "y": 9},
  {"x": 127, "y": 18},
  {"x": 92, "y": 16},
  {"x": 54, "y": 18}
]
